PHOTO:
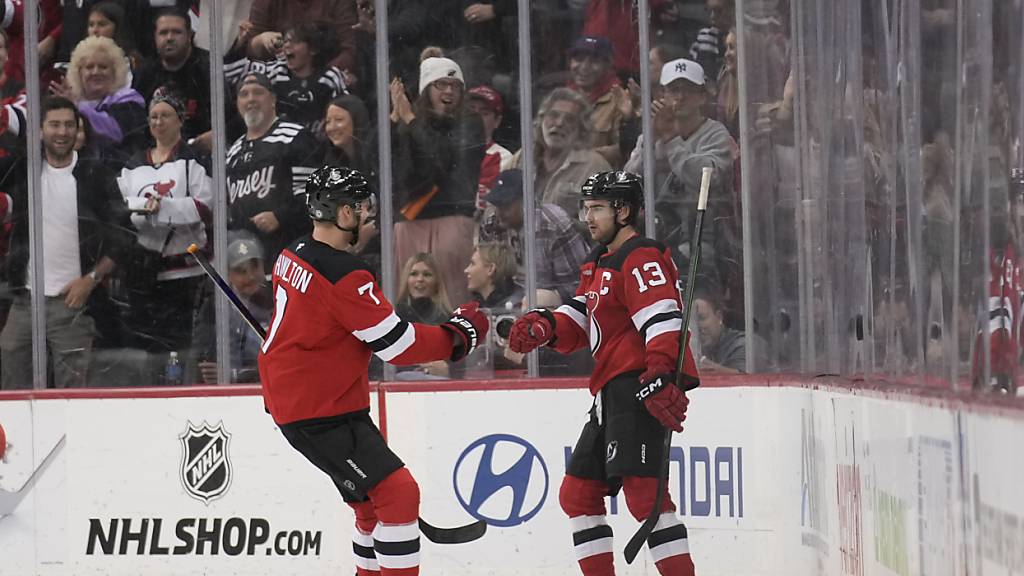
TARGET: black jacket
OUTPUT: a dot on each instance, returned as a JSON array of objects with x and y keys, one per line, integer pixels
[
  {"x": 191, "y": 82},
  {"x": 442, "y": 152},
  {"x": 101, "y": 218}
]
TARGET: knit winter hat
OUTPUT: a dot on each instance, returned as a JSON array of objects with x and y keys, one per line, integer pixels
[
  {"x": 164, "y": 95},
  {"x": 434, "y": 69}
]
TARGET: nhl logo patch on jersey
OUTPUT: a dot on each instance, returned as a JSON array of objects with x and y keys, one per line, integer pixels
[{"x": 205, "y": 467}]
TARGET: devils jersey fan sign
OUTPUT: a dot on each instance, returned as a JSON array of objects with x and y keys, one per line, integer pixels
[{"x": 205, "y": 467}]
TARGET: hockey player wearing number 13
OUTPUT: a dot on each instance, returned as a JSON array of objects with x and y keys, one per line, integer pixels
[
  {"x": 329, "y": 317},
  {"x": 627, "y": 308}
]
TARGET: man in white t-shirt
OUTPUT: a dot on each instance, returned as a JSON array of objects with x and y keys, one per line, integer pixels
[{"x": 80, "y": 205}]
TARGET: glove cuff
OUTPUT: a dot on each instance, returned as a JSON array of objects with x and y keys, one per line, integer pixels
[
  {"x": 654, "y": 385},
  {"x": 550, "y": 317},
  {"x": 465, "y": 340}
]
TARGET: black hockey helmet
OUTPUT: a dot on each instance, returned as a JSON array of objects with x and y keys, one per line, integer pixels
[
  {"x": 619, "y": 187},
  {"x": 331, "y": 187}
]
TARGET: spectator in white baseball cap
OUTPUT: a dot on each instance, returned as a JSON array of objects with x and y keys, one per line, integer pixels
[
  {"x": 682, "y": 68},
  {"x": 685, "y": 142}
]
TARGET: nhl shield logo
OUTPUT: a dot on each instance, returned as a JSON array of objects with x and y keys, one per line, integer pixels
[{"x": 205, "y": 468}]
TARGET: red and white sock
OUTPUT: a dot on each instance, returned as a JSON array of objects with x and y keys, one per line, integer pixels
[
  {"x": 397, "y": 547},
  {"x": 362, "y": 540},
  {"x": 592, "y": 545},
  {"x": 396, "y": 538},
  {"x": 669, "y": 546},
  {"x": 583, "y": 502}
]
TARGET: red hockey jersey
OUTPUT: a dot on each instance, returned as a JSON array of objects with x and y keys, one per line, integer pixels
[
  {"x": 627, "y": 308},
  {"x": 1005, "y": 334},
  {"x": 329, "y": 317}
]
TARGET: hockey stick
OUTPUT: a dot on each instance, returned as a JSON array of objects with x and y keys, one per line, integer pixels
[
  {"x": 457, "y": 535},
  {"x": 227, "y": 291},
  {"x": 638, "y": 539}
]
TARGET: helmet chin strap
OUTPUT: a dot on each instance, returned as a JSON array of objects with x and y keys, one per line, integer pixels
[
  {"x": 618, "y": 228},
  {"x": 354, "y": 231}
]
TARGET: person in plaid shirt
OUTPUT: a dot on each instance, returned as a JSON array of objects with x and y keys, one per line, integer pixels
[{"x": 561, "y": 247}]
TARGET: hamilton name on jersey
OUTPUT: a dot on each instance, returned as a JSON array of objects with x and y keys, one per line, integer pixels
[{"x": 292, "y": 274}]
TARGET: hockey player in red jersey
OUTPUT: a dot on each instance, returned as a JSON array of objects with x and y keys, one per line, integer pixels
[
  {"x": 330, "y": 316},
  {"x": 1005, "y": 345},
  {"x": 627, "y": 309}
]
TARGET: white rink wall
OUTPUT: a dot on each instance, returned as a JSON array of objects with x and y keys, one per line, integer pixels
[{"x": 773, "y": 480}]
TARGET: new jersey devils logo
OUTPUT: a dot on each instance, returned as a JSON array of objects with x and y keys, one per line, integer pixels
[
  {"x": 205, "y": 468},
  {"x": 159, "y": 189}
]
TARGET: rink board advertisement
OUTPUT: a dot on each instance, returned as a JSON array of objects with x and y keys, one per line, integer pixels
[
  {"x": 160, "y": 486},
  {"x": 504, "y": 454},
  {"x": 768, "y": 479}
]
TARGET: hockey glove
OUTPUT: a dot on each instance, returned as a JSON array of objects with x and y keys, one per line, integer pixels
[
  {"x": 468, "y": 326},
  {"x": 662, "y": 398},
  {"x": 535, "y": 328}
]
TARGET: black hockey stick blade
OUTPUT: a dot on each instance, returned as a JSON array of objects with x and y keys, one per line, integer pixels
[{"x": 457, "y": 535}]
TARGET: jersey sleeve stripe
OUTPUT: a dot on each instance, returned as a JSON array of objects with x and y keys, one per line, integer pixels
[
  {"x": 403, "y": 343},
  {"x": 8, "y": 14},
  {"x": 380, "y": 330},
  {"x": 572, "y": 310},
  {"x": 658, "y": 318},
  {"x": 644, "y": 315},
  {"x": 14, "y": 121},
  {"x": 385, "y": 341},
  {"x": 662, "y": 327},
  {"x": 579, "y": 303}
]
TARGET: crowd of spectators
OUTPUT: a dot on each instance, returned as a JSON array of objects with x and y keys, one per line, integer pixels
[{"x": 127, "y": 124}]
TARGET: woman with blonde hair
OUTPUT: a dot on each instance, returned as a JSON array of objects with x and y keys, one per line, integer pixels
[
  {"x": 423, "y": 298},
  {"x": 727, "y": 105},
  {"x": 490, "y": 277},
  {"x": 97, "y": 82}
]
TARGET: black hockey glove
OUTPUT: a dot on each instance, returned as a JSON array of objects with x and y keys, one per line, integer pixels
[{"x": 468, "y": 326}]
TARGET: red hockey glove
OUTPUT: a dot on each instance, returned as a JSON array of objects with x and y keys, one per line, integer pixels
[
  {"x": 468, "y": 326},
  {"x": 535, "y": 328},
  {"x": 662, "y": 398}
]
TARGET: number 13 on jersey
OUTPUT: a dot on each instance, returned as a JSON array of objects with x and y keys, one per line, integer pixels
[{"x": 650, "y": 277}]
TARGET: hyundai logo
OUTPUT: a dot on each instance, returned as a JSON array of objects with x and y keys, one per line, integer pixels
[{"x": 501, "y": 479}]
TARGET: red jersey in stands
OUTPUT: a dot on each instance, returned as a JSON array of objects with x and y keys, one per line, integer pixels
[
  {"x": 627, "y": 308},
  {"x": 1005, "y": 329},
  {"x": 329, "y": 317}
]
